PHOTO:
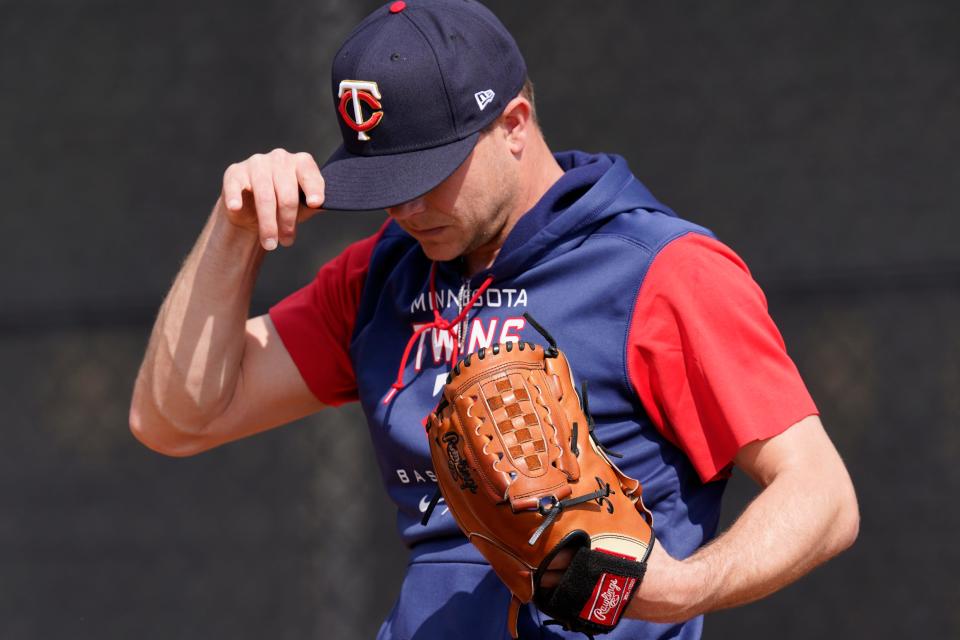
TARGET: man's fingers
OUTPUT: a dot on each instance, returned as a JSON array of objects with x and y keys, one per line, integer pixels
[
  {"x": 235, "y": 181},
  {"x": 275, "y": 181},
  {"x": 550, "y": 579},
  {"x": 265, "y": 200},
  {"x": 311, "y": 182},
  {"x": 288, "y": 201},
  {"x": 562, "y": 560},
  {"x": 557, "y": 567}
]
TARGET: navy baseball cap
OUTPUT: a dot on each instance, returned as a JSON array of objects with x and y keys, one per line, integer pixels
[{"x": 413, "y": 86}]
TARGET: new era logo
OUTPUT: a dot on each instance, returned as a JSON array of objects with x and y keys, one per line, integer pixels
[{"x": 484, "y": 98}]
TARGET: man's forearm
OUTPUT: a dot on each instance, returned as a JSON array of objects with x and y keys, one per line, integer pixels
[
  {"x": 789, "y": 528},
  {"x": 805, "y": 514},
  {"x": 193, "y": 358}
]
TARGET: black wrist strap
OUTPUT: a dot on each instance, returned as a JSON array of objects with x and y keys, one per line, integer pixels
[{"x": 594, "y": 591}]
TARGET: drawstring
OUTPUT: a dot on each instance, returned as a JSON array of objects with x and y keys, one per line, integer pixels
[{"x": 438, "y": 323}]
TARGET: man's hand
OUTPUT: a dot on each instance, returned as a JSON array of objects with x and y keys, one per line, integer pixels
[
  {"x": 667, "y": 593},
  {"x": 262, "y": 194}
]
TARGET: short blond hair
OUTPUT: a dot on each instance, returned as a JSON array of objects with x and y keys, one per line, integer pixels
[{"x": 527, "y": 92}]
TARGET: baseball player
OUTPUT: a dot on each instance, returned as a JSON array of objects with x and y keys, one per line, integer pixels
[{"x": 688, "y": 375}]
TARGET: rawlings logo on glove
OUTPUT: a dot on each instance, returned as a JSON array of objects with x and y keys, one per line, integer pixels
[
  {"x": 459, "y": 469},
  {"x": 523, "y": 475}
]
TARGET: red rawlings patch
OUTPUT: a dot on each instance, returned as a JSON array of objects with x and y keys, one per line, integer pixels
[{"x": 605, "y": 605}]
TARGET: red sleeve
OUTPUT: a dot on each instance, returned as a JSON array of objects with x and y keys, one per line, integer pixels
[
  {"x": 316, "y": 323},
  {"x": 705, "y": 357}
]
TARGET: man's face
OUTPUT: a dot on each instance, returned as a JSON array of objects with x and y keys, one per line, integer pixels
[{"x": 466, "y": 211}]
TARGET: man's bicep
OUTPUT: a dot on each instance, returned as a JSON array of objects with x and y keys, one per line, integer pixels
[
  {"x": 270, "y": 391},
  {"x": 804, "y": 447},
  {"x": 803, "y": 468}
]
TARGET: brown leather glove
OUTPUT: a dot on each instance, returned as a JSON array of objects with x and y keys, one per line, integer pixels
[{"x": 522, "y": 474}]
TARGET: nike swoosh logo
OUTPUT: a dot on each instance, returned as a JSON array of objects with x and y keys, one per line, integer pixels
[{"x": 425, "y": 502}]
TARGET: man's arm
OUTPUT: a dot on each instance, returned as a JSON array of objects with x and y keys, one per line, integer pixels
[
  {"x": 805, "y": 513},
  {"x": 210, "y": 375}
]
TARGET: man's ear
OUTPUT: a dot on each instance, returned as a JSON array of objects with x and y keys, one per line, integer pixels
[{"x": 516, "y": 122}]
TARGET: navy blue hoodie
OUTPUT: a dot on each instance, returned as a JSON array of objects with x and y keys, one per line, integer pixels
[{"x": 578, "y": 262}]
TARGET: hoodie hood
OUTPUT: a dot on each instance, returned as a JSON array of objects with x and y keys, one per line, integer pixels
[{"x": 593, "y": 189}]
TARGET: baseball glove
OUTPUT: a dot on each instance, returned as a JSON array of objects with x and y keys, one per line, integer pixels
[{"x": 516, "y": 460}]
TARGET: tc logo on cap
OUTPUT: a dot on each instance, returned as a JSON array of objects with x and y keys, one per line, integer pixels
[{"x": 358, "y": 91}]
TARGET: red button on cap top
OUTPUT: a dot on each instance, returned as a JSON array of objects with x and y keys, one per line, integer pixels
[{"x": 397, "y": 7}]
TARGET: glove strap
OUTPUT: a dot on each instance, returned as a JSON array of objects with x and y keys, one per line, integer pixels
[{"x": 594, "y": 591}]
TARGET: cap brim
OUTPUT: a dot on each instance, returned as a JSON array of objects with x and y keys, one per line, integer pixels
[{"x": 363, "y": 183}]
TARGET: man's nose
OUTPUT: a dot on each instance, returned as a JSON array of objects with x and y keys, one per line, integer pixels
[{"x": 407, "y": 209}]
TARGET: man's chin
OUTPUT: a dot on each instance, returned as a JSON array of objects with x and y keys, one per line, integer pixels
[{"x": 441, "y": 253}]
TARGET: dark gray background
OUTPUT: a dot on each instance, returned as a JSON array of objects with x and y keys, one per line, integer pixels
[{"x": 818, "y": 139}]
